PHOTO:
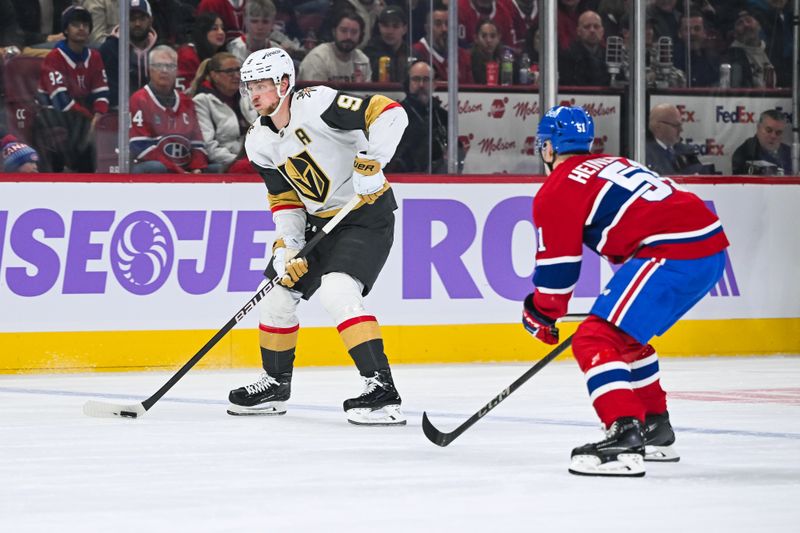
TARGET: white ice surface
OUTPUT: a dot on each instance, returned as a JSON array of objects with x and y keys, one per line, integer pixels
[{"x": 188, "y": 466}]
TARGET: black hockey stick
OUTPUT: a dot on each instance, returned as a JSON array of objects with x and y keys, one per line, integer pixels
[
  {"x": 443, "y": 439},
  {"x": 110, "y": 410}
]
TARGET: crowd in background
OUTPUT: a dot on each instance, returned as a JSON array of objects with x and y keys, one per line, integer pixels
[{"x": 185, "y": 57}]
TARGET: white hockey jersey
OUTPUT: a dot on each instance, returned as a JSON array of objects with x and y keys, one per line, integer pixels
[{"x": 309, "y": 163}]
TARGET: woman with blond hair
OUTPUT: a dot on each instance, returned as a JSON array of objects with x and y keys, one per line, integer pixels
[{"x": 223, "y": 115}]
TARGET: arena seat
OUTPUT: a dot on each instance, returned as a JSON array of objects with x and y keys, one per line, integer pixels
[
  {"x": 20, "y": 80},
  {"x": 107, "y": 158}
]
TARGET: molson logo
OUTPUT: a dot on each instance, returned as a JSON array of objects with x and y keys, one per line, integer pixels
[
  {"x": 599, "y": 144},
  {"x": 466, "y": 107},
  {"x": 466, "y": 141},
  {"x": 498, "y": 107},
  {"x": 526, "y": 109},
  {"x": 529, "y": 146},
  {"x": 490, "y": 145}
]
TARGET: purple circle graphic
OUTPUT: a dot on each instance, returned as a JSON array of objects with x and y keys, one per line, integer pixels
[{"x": 141, "y": 252}]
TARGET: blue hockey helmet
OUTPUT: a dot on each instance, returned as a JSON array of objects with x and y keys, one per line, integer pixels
[{"x": 569, "y": 129}]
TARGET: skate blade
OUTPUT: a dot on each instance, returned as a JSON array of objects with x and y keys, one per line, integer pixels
[
  {"x": 267, "y": 409},
  {"x": 626, "y": 465},
  {"x": 389, "y": 415},
  {"x": 661, "y": 454}
]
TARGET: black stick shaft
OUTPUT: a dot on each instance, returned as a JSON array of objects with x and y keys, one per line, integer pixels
[
  {"x": 443, "y": 439},
  {"x": 249, "y": 306}
]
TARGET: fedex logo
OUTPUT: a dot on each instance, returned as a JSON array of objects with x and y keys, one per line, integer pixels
[
  {"x": 686, "y": 115},
  {"x": 710, "y": 147},
  {"x": 740, "y": 115}
]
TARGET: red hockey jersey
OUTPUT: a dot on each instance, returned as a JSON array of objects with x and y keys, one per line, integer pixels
[
  {"x": 424, "y": 52},
  {"x": 468, "y": 18},
  {"x": 620, "y": 209},
  {"x": 73, "y": 82},
  {"x": 170, "y": 135}
]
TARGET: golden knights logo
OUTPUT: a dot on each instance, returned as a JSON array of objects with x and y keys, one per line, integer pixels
[
  {"x": 307, "y": 177},
  {"x": 303, "y": 93}
]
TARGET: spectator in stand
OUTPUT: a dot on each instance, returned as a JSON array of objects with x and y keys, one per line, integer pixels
[
  {"x": 339, "y": 60},
  {"x": 18, "y": 156},
  {"x": 567, "y": 22},
  {"x": 39, "y": 21},
  {"x": 584, "y": 63},
  {"x": 764, "y": 153},
  {"x": 746, "y": 54},
  {"x": 224, "y": 116},
  {"x": 173, "y": 20},
  {"x": 417, "y": 145},
  {"x": 165, "y": 135},
  {"x": 418, "y": 16},
  {"x": 433, "y": 48},
  {"x": 524, "y": 15},
  {"x": 665, "y": 154},
  {"x": 471, "y": 12},
  {"x": 487, "y": 49},
  {"x": 258, "y": 22},
  {"x": 230, "y": 11},
  {"x": 142, "y": 39},
  {"x": 73, "y": 93},
  {"x": 703, "y": 70},
  {"x": 105, "y": 17},
  {"x": 666, "y": 18},
  {"x": 11, "y": 37},
  {"x": 775, "y": 17},
  {"x": 390, "y": 41},
  {"x": 368, "y": 10},
  {"x": 208, "y": 38},
  {"x": 613, "y": 12}
]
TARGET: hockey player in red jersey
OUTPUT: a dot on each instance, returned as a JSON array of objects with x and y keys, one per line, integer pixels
[{"x": 671, "y": 248}]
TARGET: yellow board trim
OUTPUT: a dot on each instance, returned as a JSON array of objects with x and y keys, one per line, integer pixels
[{"x": 168, "y": 350}]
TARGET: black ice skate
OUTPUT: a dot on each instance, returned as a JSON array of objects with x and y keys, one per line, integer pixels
[
  {"x": 378, "y": 405},
  {"x": 620, "y": 454},
  {"x": 659, "y": 439},
  {"x": 264, "y": 397}
]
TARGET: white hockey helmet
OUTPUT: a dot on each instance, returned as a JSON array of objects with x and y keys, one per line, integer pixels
[{"x": 268, "y": 64}]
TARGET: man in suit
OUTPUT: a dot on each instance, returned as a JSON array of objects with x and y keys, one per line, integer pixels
[
  {"x": 665, "y": 154},
  {"x": 764, "y": 153},
  {"x": 666, "y": 126}
]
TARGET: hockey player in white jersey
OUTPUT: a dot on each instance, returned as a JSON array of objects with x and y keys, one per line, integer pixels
[{"x": 315, "y": 149}]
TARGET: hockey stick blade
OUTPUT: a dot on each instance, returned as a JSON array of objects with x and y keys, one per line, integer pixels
[
  {"x": 108, "y": 410},
  {"x": 112, "y": 410},
  {"x": 442, "y": 439}
]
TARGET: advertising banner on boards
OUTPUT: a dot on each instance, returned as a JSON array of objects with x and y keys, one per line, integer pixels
[{"x": 171, "y": 256}]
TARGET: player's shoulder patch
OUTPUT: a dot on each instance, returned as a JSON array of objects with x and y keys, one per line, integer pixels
[{"x": 304, "y": 93}]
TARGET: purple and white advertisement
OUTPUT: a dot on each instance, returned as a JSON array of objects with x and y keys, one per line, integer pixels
[{"x": 167, "y": 256}]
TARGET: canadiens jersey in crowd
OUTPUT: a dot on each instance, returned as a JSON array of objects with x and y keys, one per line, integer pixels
[
  {"x": 619, "y": 209},
  {"x": 309, "y": 163},
  {"x": 73, "y": 82},
  {"x": 170, "y": 135}
]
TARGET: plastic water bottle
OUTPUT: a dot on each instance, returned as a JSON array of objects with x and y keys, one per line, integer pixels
[
  {"x": 507, "y": 67},
  {"x": 525, "y": 69}
]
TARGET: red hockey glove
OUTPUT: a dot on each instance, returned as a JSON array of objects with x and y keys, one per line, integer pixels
[{"x": 537, "y": 324}]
